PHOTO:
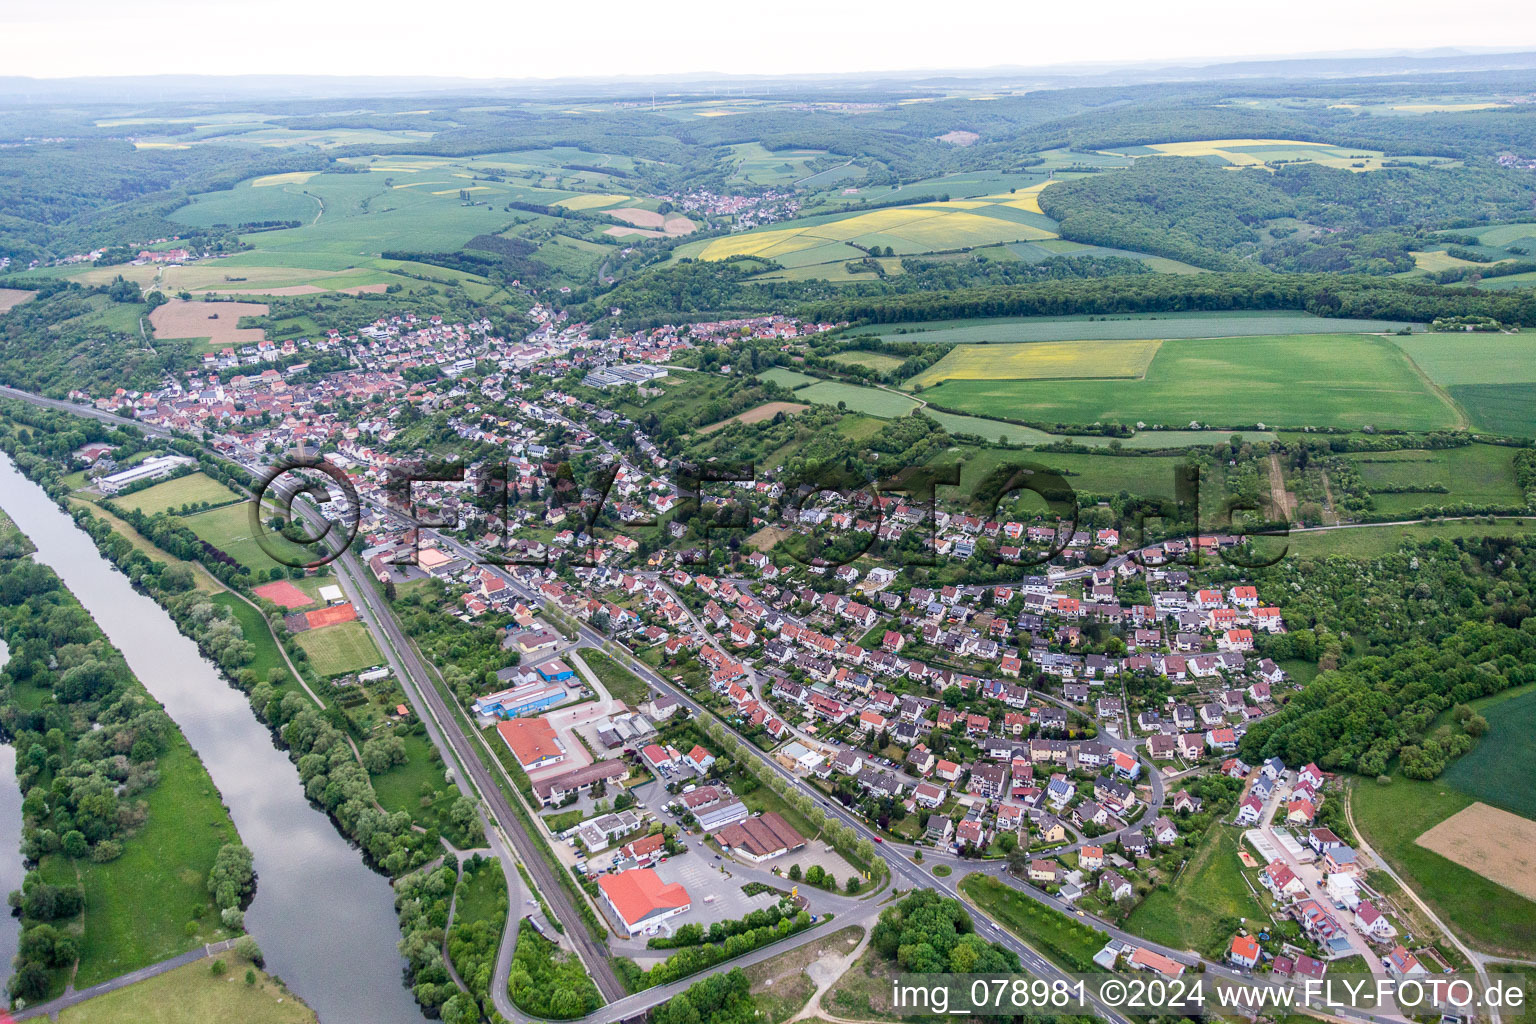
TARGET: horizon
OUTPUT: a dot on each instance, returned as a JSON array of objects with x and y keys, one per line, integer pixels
[{"x": 350, "y": 40}]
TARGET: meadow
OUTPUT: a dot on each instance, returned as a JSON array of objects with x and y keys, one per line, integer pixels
[
  {"x": 1128, "y": 326},
  {"x": 186, "y": 490},
  {"x": 788, "y": 378},
  {"x": 1064, "y": 940},
  {"x": 1366, "y": 542},
  {"x": 339, "y": 649},
  {"x": 1040, "y": 361},
  {"x": 1393, "y": 816},
  {"x": 1148, "y": 475},
  {"x": 1208, "y": 893},
  {"x": 138, "y": 907},
  {"x": 193, "y": 994},
  {"x": 1476, "y": 474},
  {"x": 874, "y": 401},
  {"x": 1325, "y": 380},
  {"x": 229, "y": 529},
  {"x": 879, "y": 361}
]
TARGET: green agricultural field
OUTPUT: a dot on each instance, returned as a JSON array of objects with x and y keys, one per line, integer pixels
[
  {"x": 1127, "y": 326},
  {"x": 1497, "y": 771},
  {"x": 344, "y": 647},
  {"x": 229, "y": 530},
  {"x": 1375, "y": 541},
  {"x": 1305, "y": 380},
  {"x": 1058, "y": 360},
  {"x": 873, "y": 401},
  {"x": 1449, "y": 359},
  {"x": 758, "y": 166},
  {"x": 184, "y": 490},
  {"x": 1484, "y": 913},
  {"x": 137, "y": 907},
  {"x": 1478, "y": 474},
  {"x": 919, "y": 228},
  {"x": 993, "y": 429},
  {"x": 1500, "y": 408},
  {"x": 1196, "y": 911}
]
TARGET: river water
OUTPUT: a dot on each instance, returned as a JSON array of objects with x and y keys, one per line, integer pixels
[{"x": 325, "y": 922}]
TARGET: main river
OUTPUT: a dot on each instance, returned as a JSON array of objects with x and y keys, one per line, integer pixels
[{"x": 324, "y": 920}]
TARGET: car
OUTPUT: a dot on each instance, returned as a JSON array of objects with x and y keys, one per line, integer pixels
[
  {"x": 879, "y": 840},
  {"x": 1080, "y": 913},
  {"x": 717, "y": 856}
]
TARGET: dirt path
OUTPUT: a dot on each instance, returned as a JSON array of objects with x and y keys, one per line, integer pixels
[
  {"x": 1330, "y": 512},
  {"x": 1283, "y": 501},
  {"x": 825, "y": 973}
]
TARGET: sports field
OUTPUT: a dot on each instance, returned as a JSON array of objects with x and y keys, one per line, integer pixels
[
  {"x": 1056, "y": 360},
  {"x": 1313, "y": 380},
  {"x": 339, "y": 649},
  {"x": 194, "y": 487}
]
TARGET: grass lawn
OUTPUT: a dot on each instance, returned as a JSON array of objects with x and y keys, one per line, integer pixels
[
  {"x": 137, "y": 906},
  {"x": 419, "y": 788},
  {"x": 229, "y": 530},
  {"x": 1193, "y": 913},
  {"x": 1487, "y": 915},
  {"x": 1301, "y": 380},
  {"x": 780, "y": 986},
  {"x": 186, "y": 490},
  {"x": 194, "y": 995},
  {"x": 205, "y": 582},
  {"x": 622, "y": 684},
  {"x": 268, "y": 656},
  {"x": 1064, "y": 940},
  {"x": 1375, "y": 541},
  {"x": 336, "y": 650},
  {"x": 1497, "y": 770},
  {"x": 482, "y": 894}
]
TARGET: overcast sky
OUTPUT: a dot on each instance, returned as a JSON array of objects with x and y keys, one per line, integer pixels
[{"x": 515, "y": 39}]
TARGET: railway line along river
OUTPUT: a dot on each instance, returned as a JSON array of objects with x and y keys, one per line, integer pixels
[{"x": 325, "y": 921}]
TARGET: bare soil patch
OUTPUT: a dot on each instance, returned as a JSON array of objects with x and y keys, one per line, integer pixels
[
  {"x": 1496, "y": 844},
  {"x": 766, "y": 538},
  {"x": 766, "y": 411},
  {"x": 10, "y": 298},
  {"x": 216, "y": 321},
  {"x": 959, "y": 137}
]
